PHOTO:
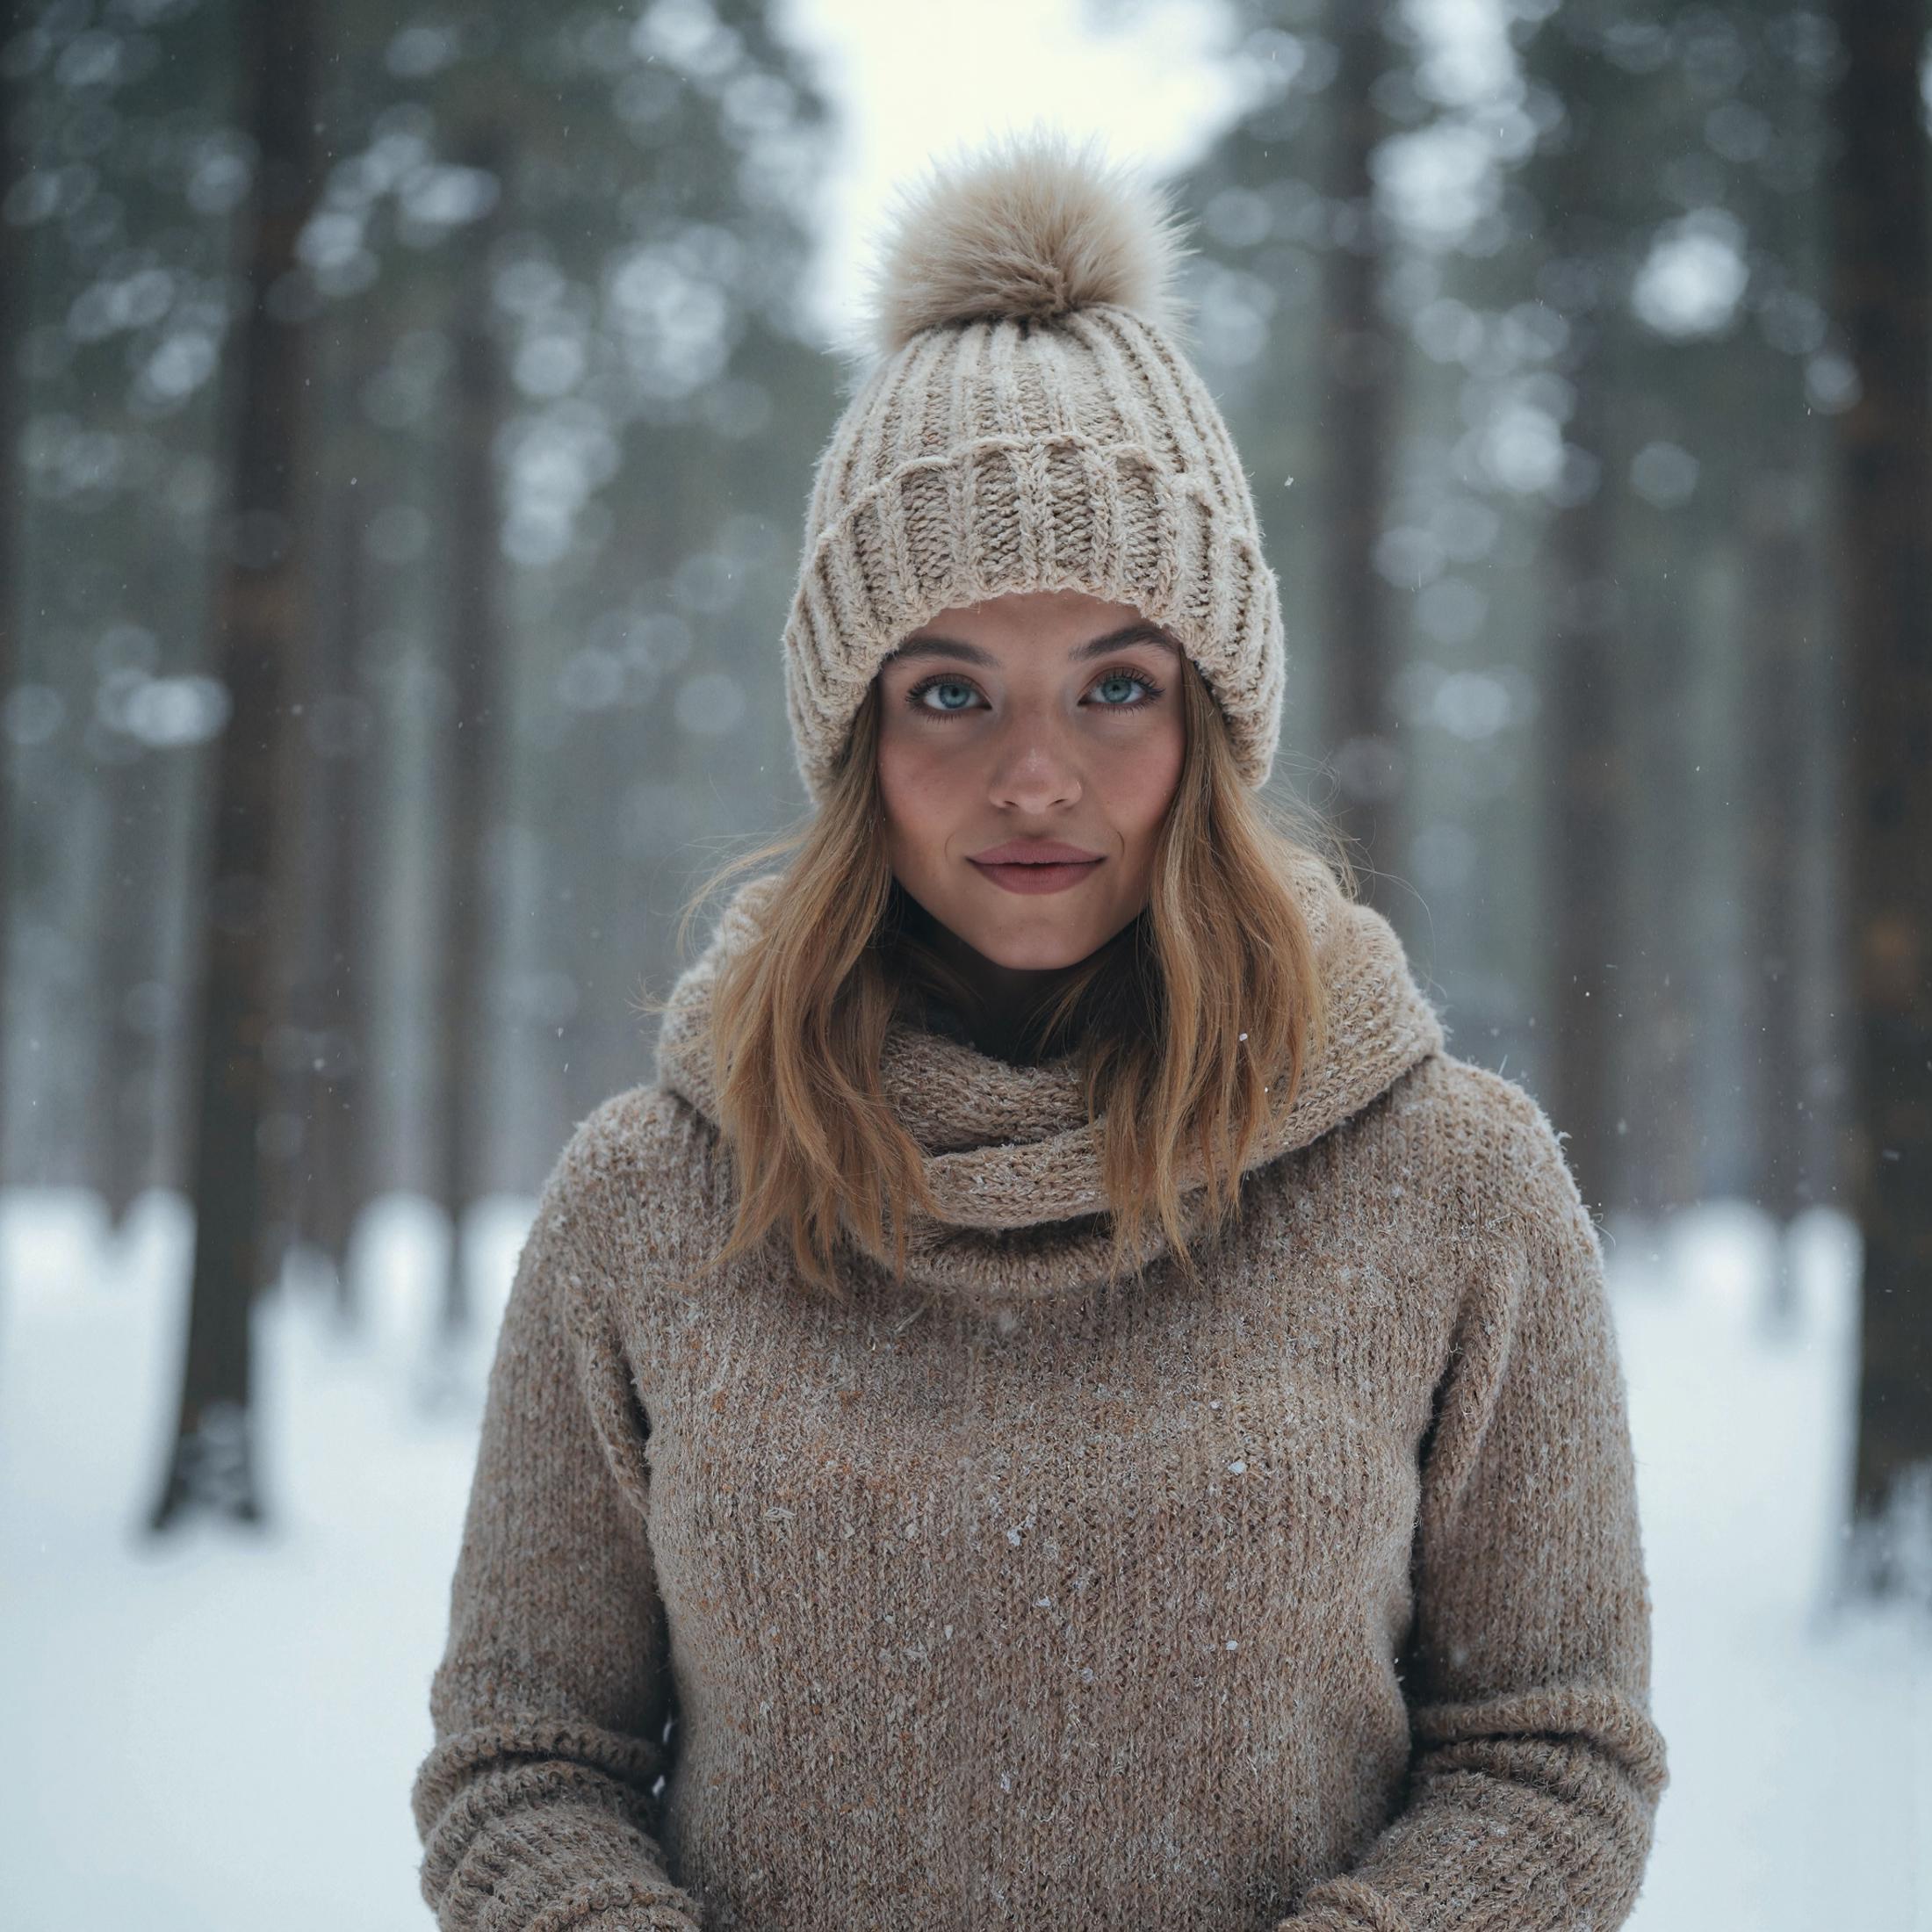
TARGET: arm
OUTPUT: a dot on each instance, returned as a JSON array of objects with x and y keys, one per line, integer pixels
[
  {"x": 534, "y": 1806},
  {"x": 1536, "y": 1769}
]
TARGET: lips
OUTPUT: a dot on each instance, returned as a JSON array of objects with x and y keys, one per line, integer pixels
[
  {"x": 1037, "y": 865},
  {"x": 1034, "y": 851}
]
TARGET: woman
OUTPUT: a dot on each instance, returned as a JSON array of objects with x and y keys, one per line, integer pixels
[{"x": 1063, "y": 1405}]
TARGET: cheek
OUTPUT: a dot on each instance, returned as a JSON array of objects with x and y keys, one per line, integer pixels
[
  {"x": 916, "y": 794},
  {"x": 1142, "y": 786}
]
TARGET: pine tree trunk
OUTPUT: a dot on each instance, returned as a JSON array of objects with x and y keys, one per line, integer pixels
[
  {"x": 16, "y": 251},
  {"x": 259, "y": 609},
  {"x": 330, "y": 994},
  {"x": 477, "y": 743},
  {"x": 1586, "y": 790},
  {"x": 1779, "y": 644},
  {"x": 1361, "y": 365},
  {"x": 1883, "y": 275},
  {"x": 344, "y": 1094}
]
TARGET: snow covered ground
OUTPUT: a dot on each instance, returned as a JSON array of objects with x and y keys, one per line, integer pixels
[{"x": 219, "y": 1731}]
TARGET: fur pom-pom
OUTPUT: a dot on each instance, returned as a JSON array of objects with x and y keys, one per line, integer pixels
[{"x": 1027, "y": 226}]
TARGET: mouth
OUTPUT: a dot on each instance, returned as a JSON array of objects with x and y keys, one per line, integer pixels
[{"x": 1039, "y": 868}]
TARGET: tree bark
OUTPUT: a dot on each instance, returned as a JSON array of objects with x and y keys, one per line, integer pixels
[
  {"x": 1361, "y": 365},
  {"x": 332, "y": 996},
  {"x": 478, "y": 749},
  {"x": 16, "y": 252},
  {"x": 1883, "y": 276},
  {"x": 258, "y": 616},
  {"x": 1586, "y": 786}
]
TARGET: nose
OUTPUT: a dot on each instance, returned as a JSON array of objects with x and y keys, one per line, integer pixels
[{"x": 1033, "y": 770}]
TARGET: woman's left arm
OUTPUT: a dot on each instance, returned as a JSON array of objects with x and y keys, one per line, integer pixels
[{"x": 1536, "y": 1769}]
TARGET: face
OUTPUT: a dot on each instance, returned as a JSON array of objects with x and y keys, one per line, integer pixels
[{"x": 1029, "y": 746}]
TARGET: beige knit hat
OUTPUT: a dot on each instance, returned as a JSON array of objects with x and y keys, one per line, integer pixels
[{"x": 1028, "y": 421}]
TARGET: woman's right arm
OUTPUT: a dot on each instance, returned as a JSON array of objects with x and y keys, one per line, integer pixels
[{"x": 534, "y": 1807}]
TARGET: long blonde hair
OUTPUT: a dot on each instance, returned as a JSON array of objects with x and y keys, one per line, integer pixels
[{"x": 1191, "y": 1025}]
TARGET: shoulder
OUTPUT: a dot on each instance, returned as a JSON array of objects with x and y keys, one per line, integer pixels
[
  {"x": 642, "y": 1171},
  {"x": 1486, "y": 1149},
  {"x": 645, "y": 1132}
]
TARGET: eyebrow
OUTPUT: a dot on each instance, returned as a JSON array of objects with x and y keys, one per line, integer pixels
[{"x": 971, "y": 653}]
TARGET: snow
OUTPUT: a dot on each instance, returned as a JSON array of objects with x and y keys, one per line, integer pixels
[{"x": 218, "y": 1731}]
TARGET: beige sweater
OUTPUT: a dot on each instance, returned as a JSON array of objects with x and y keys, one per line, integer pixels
[{"x": 1310, "y": 1599}]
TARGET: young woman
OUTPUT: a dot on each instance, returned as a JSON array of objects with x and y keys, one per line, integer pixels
[{"x": 1063, "y": 1405}]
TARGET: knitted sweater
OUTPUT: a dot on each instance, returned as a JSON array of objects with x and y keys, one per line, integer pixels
[{"x": 1311, "y": 1598}]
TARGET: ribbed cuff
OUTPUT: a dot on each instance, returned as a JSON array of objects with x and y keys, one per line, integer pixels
[{"x": 613, "y": 1904}]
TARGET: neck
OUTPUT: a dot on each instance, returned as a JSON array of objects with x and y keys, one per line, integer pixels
[{"x": 1004, "y": 997}]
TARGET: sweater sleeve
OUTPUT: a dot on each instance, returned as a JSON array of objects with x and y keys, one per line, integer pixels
[
  {"x": 1535, "y": 1770},
  {"x": 534, "y": 1806}
]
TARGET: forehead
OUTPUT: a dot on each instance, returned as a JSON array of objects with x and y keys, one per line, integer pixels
[{"x": 935, "y": 644}]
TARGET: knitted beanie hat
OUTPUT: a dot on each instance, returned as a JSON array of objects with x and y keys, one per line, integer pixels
[{"x": 1029, "y": 423}]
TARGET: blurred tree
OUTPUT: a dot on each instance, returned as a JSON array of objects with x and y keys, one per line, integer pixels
[
  {"x": 473, "y": 791},
  {"x": 14, "y": 285},
  {"x": 137, "y": 845},
  {"x": 1882, "y": 286},
  {"x": 335, "y": 967},
  {"x": 210, "y": 1463},
  {"x": 1357, "y": 422},
  {"x": 1585, "y": 804}
]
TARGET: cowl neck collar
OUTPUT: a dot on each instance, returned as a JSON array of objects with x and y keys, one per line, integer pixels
[{"x": 1010, "y": 1155}]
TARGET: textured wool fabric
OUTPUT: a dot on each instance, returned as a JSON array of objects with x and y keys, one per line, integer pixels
[
  {"x": 1064, "y": 444},
  {"x": 1310, "y": 1597}
]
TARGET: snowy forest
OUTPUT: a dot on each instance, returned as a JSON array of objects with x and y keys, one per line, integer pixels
[{"x": 407, "y": 418}]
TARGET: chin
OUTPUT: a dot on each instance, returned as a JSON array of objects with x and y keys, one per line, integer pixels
[{"x": 1039, "y": 946}]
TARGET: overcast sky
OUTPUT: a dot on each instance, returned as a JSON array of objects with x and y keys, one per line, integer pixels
[{"x": 909, "y": 83}]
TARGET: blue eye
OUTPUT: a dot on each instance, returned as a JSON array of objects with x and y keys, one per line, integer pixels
[
  {"x": 1115, "y": 678},
  {"x": 956, "y": 685}
]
